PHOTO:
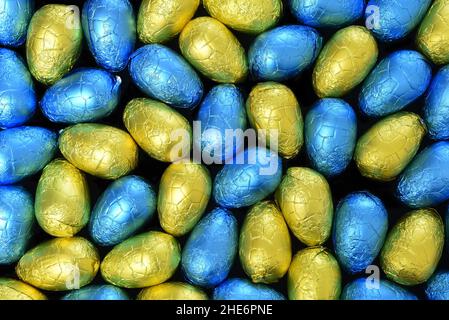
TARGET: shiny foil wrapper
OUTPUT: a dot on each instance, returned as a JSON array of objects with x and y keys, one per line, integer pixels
[
  {"x": 437, "y": 287},
  {"x": 97, "y": 292},
  {"x": 243, "y": 289},
  {"x": 363, "y": 289},
  {"x": 14, "y": 18},
  {"x": 172, "y": 291},
  {"x": 11, "y": 289}
]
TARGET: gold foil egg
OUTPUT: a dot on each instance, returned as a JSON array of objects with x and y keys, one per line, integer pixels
[
  {"x": 99, "y": 150},
  {"x": 344, "y": 62},
  {"x": 184, "y": 193},
  {"x": 213, "y": 50},
  {"x": 60, "y": 264},
  {"x": 413, "y": 247},
  {"x": 159, "y": 130},
  {"x": 144, "y": 260},
  {"x": 172, "y": 291},
  {"x": 314, "y": 274},
  {"x": 272, "y": 108},
  {"x": 160, "y": 20},
  {"x": 386, "y": 149},
  {"x": 11, "y": 289},
  {"x": 305, "y": 199},
  {"x": 62, "y": 203},
  {"x": 250, "y": 16},
  {"x": 264, "y": 246},
  {"x": 53, "y": 42}
]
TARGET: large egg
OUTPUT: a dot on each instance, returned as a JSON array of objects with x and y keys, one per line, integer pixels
[
  {"x": 243, "y": 289},
  {"x": 97, "y": 292},
  {"x": 366, "y": 289},
  {"x": 14, "y": 18},
  {"x": 11, "y": 289},
  {"x": 437, "y": 287},
  {"x": 172, "y": 291}
]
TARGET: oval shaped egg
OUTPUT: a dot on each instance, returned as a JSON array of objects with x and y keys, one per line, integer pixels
[
  {"x": 125, "y": 206},
  {"x": 172, "y": 291},
  {"x": 344, "y": 62},
  {"x": 330, "y": 135},
  {"x": 53, "y": 42},
  {"x": 110, "y": 30},
  {"x": 98, "y": 149},
  {"x": 24, "y": 151},
  {"x": 184, "y": 193},
  {"x": 17, "y": 219},
  {"x": 402, "y": 258},
  {"x": 275, "y": 113},
  {"x": 59, "y": 264},
  {"x": 11, "y": 289},
  {"x": 144, "y": 260},
  {"x": 97, "y": 292},
  {"x": 14, "y": 18},
  {"x": 243, "y": 289},
  {"x": 384, "y": 151},
  {"x": 159, "y": 21},
  {"x": 213, "y": 50},
  {"x": 437, "y": 287},
  {"x": 209, "y": 252},
  {"x": 264, "y": 245},
  {"x": 305, "y": 199},
  {"x": 365, "y": 289},
  {"x": 62, "y": 203}
]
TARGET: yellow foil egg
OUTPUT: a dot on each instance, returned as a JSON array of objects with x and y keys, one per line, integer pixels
[
  {"x": 272, "y": 108},
  {"x": 172, "y": 291},
  {"x": 53, "y": 42},
  {"x": 212, "y": 49},
  {"x": 184, "y": 192},
  {"x": 159, "y": 130},
  {"x": 60, "y": 264},
  {"x": 144, "y": 260},
  {"x": 62, "y": 203},
  {"x": 344, "y": 62},
  {"x": 314, "y": 275},
  {"x": 305, "y": 199},
  {"x": 250, "y": 16},
  {"x": 264, "y": 246},
  {"x": 433, "y": 35},
  {"x": 386, "y": 149},
  {"x": 11, "y": 289},
  {"x": 99, "y": 150},
  {"x": 413, "y": 247}
]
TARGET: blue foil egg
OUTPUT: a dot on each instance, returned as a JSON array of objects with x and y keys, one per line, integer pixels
[
  {"x": 437, "y": 287},
  {"x": 97, "y": 292},
  {"x": 16, "y": 221},
  {"x": 284, "y": 52},
  {"x": 222, "y": 110},
  {"x": 24, "y": 151},
  {"x": 14, "y": 18},
  {"x": 436, "y": 107},
  {"x": 391, "y": 20},
  {"x": 330, "y": 135},
  {"x": 210, "y": 249},
  {"x": 395, "y": 82},
  {"x": 425, "y": 181},
  {"x": 360, "y": 228},
  {"x": 327, "y": 14},
  {"x": 163, "y": 74},
  {"x": 125, "y": 206},
  {"x": 365, "y": 289},
  {"x": 83, "y": 96},
  {"x": 254, "y": 174},
  {"x": 17, "y": 96},
  {"x": 243, "y": 289},
  {"x": 110, "y": 30}
]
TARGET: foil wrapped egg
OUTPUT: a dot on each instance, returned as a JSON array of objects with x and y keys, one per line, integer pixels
[
  {"x": 209, "y": 252},
  {"x": 396, "y": 82},
  {"x": 305, "y": 199},
  {"x": 110, "y": 30},
  {"x": 54, "y": 42},
  {"x": 97, "y": 292},
  {"x": 413, "y": 247},
  {"x": 265, "y": 245},
  {"x": 99, "y": 149},
  {"x": 384, "y": 151},
  {"x": 330, "y": 135},
  {"x": 24, "y": 151},
  {"x": 124, "y": 207},
  {"x": 437, "y": 288},
  {"x": 14, "y": 18},
  {"x": 144, "y": 260},
  {"x": 345, "y": 61},
  {"x": 184, "y": 193},
  {"x": 213, "y": 50},
  {"x": 243, "y": 289},
  {"x": 59, "y": 264},
  {"x": 172, "y": 291},
  {"x": 365, "y": 289},
  {"x": 11, "y": 289}
]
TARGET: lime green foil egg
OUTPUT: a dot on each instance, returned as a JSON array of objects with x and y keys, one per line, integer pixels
[
  {"x": 11, "y": 289},
  {"x": 172, "y": 291}
]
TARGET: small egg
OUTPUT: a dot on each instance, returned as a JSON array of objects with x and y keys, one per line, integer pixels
[
  {"x": 184, "y": 193},
  {"x": 14, "y": 18},
  {"x": 97, "y": 292},
  {"x": 413, "y": 247},
  {"x": 305, "y": 199},
  {"x": 243, "y": 289},
  {"x": 213, "y": 50},
  {"x": 98, "y": 149},
  {"x": 344, "y": 62},
  {"x": 437, "y": 288},
  {"x": 384, "y": 151},
  {"x": 144, "y": 260},
  {"x": 172, "y": 291},
  {"x": 364, "y": 289},
  {"x": 11, "y": 289}
]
